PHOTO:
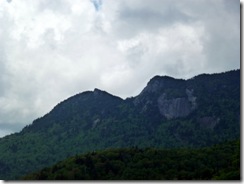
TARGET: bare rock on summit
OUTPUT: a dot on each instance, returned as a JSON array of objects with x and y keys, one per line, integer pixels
[{"x": 170, "y": 97}]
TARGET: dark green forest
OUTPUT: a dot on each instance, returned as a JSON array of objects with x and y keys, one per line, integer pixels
[
  {"x": 219, "y": 162},
  {"x": 168, "y": 114}
]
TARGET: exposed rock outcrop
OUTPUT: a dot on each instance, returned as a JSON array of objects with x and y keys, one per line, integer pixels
[
  {"x": 174, "y": 108},
  {"x": 177, "y": 107},
  {"x": 208, "y": 122},
  {"x": 191, "y": 98},
  {"x": 169, "y": 96}
]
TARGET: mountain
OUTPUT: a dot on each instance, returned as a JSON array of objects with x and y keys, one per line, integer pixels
[
  {"x": 168, "y": 113},
  {"x": 219, "y": 162}
]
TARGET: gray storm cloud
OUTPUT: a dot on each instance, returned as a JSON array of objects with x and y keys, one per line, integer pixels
[{"x": 51, "y": 50}]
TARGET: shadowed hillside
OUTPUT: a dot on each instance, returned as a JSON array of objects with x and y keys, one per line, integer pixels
[
  {"x": 168, "y": 113},
  {"x": 220, "y": 162}
]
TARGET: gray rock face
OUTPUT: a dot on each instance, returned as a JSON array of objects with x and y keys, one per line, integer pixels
[
  {"x": 167, "y": 95},
  {"x": 177, "y": 107},
  {"x": 208, "y": 122},
  {"x": 153, "y": 87},
  {"x": 95, "y": 122},
  {"x": 173, "y": 108},
  {"x": 191, "y": 98}
]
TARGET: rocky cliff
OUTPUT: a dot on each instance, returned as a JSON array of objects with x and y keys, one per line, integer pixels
[
  {"x": 168, "y": 96},
  {"x": 168, "y": 113}
]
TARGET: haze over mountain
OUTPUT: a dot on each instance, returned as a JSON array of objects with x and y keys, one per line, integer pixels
[{"x": 168, "y": 113}]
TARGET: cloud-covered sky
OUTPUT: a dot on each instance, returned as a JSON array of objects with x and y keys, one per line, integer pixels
[{"x": 51, "y": 50}]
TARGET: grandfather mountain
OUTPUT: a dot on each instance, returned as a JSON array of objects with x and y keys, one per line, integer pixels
[{"x": 168, "y": 113}]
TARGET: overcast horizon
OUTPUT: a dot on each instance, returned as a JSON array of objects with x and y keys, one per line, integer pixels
[{"x": 51, "y": 50}]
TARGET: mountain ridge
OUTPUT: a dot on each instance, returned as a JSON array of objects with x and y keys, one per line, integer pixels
[{"x": 173, "y": 113}]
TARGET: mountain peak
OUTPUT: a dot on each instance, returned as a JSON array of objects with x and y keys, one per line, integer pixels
[
  {"x": 97, "y": 90},
  {"x": 161, "y": 117},
  {"x": 159, "y": 82},
  {"x": 160, "y": 78},
  {"x": 100, "y": 93}
]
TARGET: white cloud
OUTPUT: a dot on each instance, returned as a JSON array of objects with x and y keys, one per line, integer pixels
[
  {"x": 51, "y": 50},
  {"x": 5, "y": 132}
]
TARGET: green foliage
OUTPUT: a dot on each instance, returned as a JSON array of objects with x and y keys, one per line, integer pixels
[
  {"x": 93, "y": 121},
  {"x": 220, "y": 162}
]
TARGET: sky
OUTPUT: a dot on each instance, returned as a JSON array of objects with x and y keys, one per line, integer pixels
[{"x": 51, "y": 50}]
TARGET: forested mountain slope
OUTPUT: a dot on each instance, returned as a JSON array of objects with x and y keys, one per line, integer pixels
[
  {"x": 168, "y": 113},
  {"x": 219, "y": 162}
]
